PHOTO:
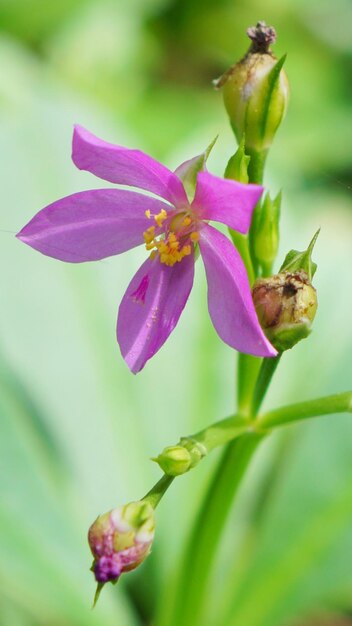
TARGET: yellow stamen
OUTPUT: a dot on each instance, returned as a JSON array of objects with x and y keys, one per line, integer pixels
[
  {"x": 148, "y": 235},
  {"x": 169, "y": 248},
  {"x": 147, "y": 214},
  {"x": 161, "y": 217}
]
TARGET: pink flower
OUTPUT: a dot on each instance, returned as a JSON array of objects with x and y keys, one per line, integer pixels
[{"x": 95, "y": 224}]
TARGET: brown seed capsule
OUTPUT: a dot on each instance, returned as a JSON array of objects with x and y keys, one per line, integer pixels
[{"x": 286, "y": 305}]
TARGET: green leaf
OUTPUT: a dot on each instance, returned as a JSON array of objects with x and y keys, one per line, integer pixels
[{"x": 297, "y": 556}]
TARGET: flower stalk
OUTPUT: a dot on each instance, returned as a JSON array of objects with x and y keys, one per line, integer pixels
[
  {"x": 158, "y": 491},
  {"x": 336, "y": 403},
  {"x": 187, "y": 606}
]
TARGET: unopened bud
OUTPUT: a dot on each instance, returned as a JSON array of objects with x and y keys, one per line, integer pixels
[
  {"x": 255, "y": 91},
  {"x": 174, "y": 460},
  {"x": 286, "y": 305},
  {"x": 177, "y": 460},
  {"x": 121, "y": 539}
]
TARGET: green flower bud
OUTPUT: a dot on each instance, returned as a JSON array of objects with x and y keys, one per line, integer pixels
[
  {"x": 177, "y": 460},
  {"x": 286, "y": 305},
  {"x": 266, "y": 232},
  {"x": 174, "y": 460},
  {"x": 255, "y": 91}
]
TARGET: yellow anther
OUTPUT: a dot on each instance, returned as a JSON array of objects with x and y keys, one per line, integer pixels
[
  {"x": 168, "y": 249},
  {"x": 186, "y": 221},
  {"x": 148, "y": 235},
  {"x": 161, "y": 217},
  {"x": 162, "y": 247},
  {"x": 147, "y": 214}
]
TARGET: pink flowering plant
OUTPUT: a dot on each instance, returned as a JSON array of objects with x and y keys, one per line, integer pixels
[
  {"x": 92, "y": 225},
  {"x": 258, "y": 313}
]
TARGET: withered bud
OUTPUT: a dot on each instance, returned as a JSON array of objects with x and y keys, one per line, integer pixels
[
  {"x": 262, "y": 36},
  {"x": 286, "y": 305},
  {"x": 256, "y": 91}
]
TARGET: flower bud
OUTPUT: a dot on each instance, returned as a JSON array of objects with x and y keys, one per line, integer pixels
[
  {"x": 177, "y": 460},
  {"x": 266, "y": 232},
  {"x": 286, "y": 305},
  {"x": 255, "y": 91},
  {"x": 121, "y": 539},
  {"x": 174, "y": 460}
]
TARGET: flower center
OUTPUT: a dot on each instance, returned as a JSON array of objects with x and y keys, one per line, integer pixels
[{"x": 177, "y": 241}]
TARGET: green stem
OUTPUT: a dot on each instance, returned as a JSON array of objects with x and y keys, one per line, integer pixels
[
  {"x": 221, "y": 432},
  {"x": 265, "y": 375},
  {"x": 201, "y": 549},
  {"x": 156, "y": 493},
  {"x": 196, "y": 566},
  {"x": 256, "y": 165},
  {"x": 248, "y": 368},
  {"x": 337, "y": 403}
]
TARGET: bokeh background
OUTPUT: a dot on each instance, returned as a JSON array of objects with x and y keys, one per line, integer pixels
[{"x": 77, "y": 429}]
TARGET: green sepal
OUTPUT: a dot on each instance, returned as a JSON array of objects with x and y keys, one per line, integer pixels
[
  {"x": 286, "y": 337},
  {"x": 237, "y": 167},
  {"x": 265, "y": 229},
  {"x": 97, "y": 594},
  {"x": 272, "y": 87},
  {"x": 188, "y": 171},
  {"x": 296, "y": 260}
]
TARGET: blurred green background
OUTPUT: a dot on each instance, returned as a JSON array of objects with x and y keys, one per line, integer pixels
[{"x": 77, "y": 429}]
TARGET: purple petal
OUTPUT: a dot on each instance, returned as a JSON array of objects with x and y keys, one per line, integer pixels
[
  {"x": 125, "y": 167},
  {"x": 229, "y": 296},
  {"x": 226, "y": 201},
  {"x": 151, "y": 307},
  {"x": 91, "y": 225}
]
